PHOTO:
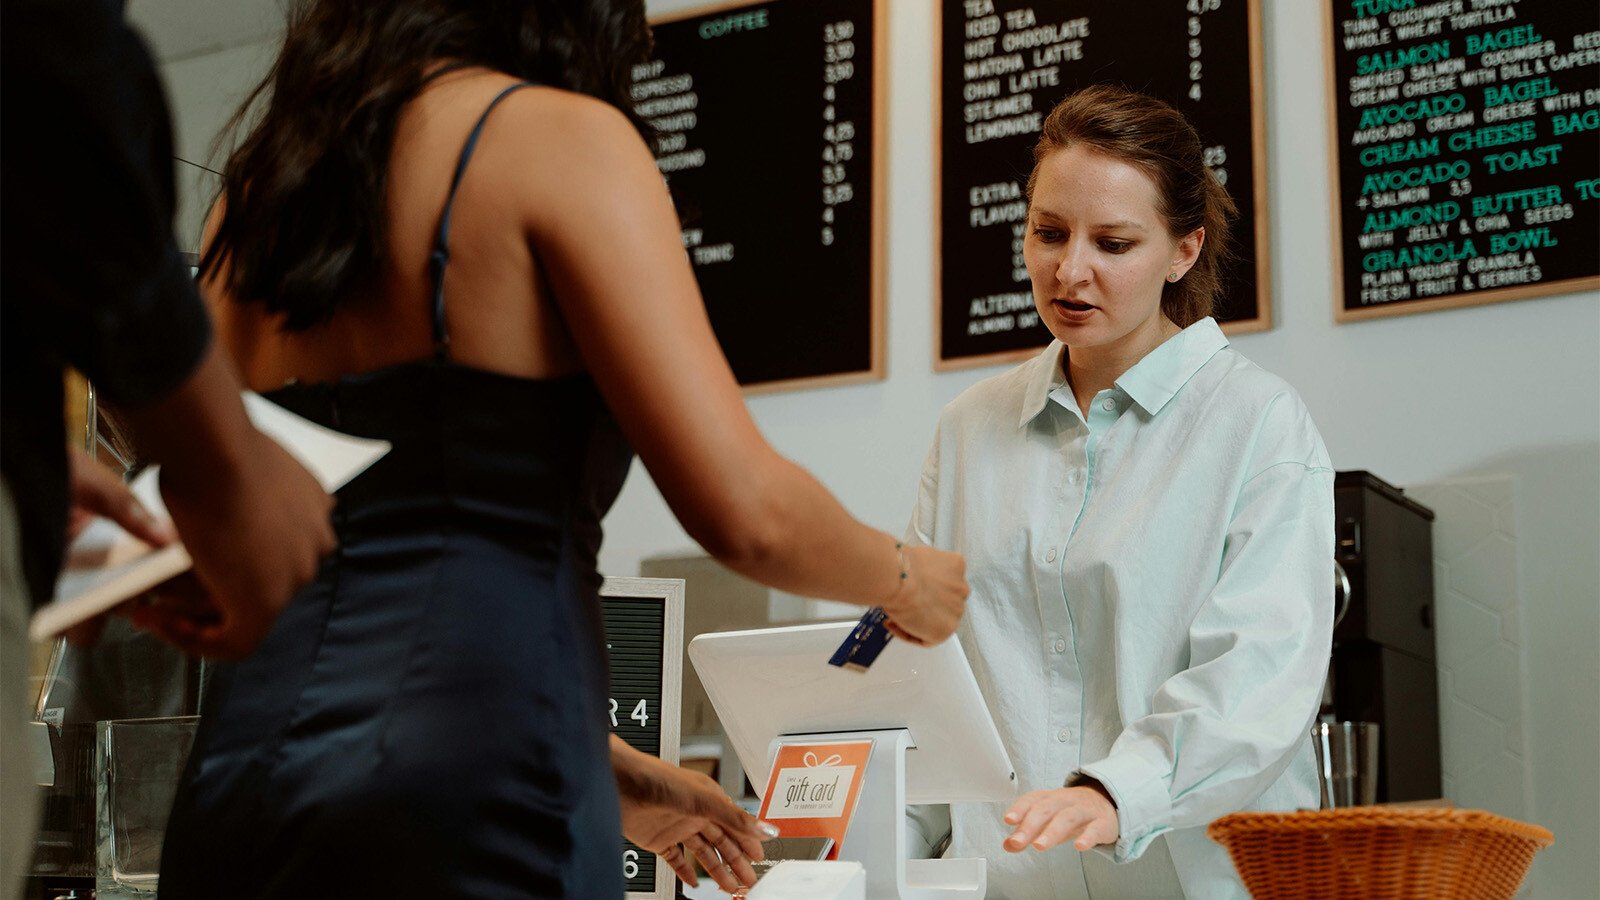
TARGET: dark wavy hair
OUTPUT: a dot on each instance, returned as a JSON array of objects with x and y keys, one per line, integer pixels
[
  {"x": 304, "y": 220},
  {"x": 1150, "y": 134}
]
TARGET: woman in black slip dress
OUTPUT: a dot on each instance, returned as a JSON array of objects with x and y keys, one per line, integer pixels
[{"x": 444, "y": 230}]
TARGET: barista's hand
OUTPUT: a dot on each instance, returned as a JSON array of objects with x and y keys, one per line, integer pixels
[
  {"x": 673, "y": 812},
  {"x": 96, "y": 492},
  {"x": 928, "y": 606},
  {"x": 1084, "y": 815}
]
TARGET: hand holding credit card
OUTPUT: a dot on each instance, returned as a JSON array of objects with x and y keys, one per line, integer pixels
[
  {"x": 864, "y": 643},
  {"x": 927, "y": 606}
]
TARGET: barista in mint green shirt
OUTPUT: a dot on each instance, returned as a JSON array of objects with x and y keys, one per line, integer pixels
[{"x": 1147, "y": 519}]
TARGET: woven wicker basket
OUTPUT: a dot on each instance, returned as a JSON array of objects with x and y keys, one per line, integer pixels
[{"x": 1380, "y": 853}]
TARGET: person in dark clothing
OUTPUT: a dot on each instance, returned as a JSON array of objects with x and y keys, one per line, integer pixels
[
  {"x": 90, "y": 277},
  {"x": 444, "y": 229}
]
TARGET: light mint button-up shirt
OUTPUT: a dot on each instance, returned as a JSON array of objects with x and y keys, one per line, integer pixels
[{"x": 1152, "y": 603}]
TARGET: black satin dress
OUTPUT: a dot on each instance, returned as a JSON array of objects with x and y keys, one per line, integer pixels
[{"x": 427, "y": 719}]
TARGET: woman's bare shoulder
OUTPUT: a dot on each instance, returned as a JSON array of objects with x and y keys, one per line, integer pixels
[
  {"x": 555, "y": 148},
  {"x": 549, "y": 119},
  {"x": 534, "y": 118}
]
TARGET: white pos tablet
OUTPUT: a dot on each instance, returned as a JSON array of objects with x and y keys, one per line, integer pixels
[{"x": 935, "y": 741}]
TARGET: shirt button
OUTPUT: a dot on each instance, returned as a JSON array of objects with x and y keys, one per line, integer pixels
[
  {"x": 1108, "y": 404},
  {"x": 1050, "y": 556},
  {"x": 1072, "y": 478},
  {"x": 1063, "y": 735},
  {"x": 1060, "y": 645}
]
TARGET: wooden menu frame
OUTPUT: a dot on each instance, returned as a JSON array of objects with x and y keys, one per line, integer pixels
[
  {"x": 877, "y": 369},
  {"x": 1341, "y": 314}
]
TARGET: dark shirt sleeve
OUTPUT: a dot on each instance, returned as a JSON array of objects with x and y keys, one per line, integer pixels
[
  {"x": 89, "y": 273},
  {"x": 90, "y": 261}
]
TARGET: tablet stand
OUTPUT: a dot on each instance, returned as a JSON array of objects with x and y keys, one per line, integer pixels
[{"x": 876, "y": 837}]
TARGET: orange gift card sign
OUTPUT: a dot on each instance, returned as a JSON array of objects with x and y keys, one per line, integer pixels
[{"x": 813, "y": 789}]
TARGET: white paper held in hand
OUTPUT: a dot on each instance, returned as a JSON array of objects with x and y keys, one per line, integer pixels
[{"x": 106, "y": 565}]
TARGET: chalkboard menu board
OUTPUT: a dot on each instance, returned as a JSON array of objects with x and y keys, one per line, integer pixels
[
  {"x": 644, "y": 640},
  {"x": 1004, "y": 65},
  {"x": 770, "y": 143},
  {"x": 1466, "y": 151}
]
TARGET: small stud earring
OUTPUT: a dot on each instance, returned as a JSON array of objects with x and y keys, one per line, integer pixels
[{"x": 1172, "y": 276}]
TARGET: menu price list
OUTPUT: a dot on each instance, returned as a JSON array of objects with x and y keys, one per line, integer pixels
[
  {"x": 1005, "y": 64},
  {"x": 1467, "y": 151},
  {"x": 765, "y": 122}
]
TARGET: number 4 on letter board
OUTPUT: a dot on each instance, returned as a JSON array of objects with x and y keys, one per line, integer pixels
[{"x": 640, "y": 714}]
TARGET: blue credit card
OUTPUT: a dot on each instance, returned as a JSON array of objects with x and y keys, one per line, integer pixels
[{"x": 865, "y": 642}]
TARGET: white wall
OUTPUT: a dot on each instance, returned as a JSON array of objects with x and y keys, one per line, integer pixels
[
  {"x": 204, "y": 91},
  {"x": 1504, "y": 389}
]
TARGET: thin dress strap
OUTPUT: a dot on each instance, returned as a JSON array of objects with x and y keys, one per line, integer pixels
[{"x": 441, "y": 242}]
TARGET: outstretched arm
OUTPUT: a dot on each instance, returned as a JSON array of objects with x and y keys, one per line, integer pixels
[{"x": 608, "y": 238}]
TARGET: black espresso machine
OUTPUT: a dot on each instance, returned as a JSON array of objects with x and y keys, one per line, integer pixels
[{"x": 1385, "y": 665}]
